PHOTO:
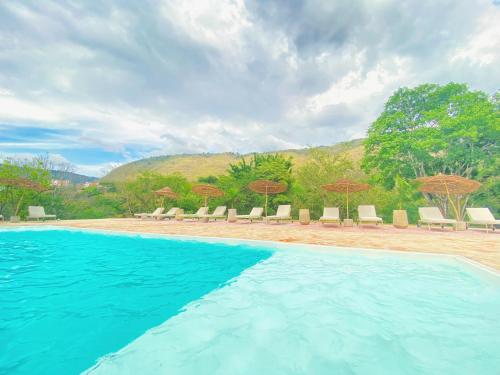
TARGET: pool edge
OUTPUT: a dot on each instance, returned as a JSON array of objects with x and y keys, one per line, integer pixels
[{"x": 276, "y": 245}]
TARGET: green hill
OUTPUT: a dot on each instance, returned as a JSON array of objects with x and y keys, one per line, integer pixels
[
  {"x": 74, "y": 178},
  {"x": 198, "y": 165}
]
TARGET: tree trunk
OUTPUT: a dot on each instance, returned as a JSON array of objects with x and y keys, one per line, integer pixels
[{"x": 18, "y": 206}]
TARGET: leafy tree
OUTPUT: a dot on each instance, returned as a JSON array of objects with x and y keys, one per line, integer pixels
[
  {"x": 231, "y": 188},
  {"x": 488, "y": 195},
  {"x": 403, "y": 191},
  {"x": 15, "y": 199},
  {"x": 433, "y": 129},
  {"x": 322, "y": 168},
  {"x": 139, "y": 194},
  {"x": 91, "y": 203},
  {"x": 275, "y": 167},
  {"x": 208, "y": 179}
]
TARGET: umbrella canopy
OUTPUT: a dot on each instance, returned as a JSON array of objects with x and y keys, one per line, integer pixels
[
  {"x": 22, "y": 183},
  {"x": 346, "y": 186},
  {"x": 207, "y": 191},
  {"x": 447, "y": 184},
  {"x": 267, "y": 187},
  {"x": 166, "y": 192},
  {"x": 443, "y": 184}
]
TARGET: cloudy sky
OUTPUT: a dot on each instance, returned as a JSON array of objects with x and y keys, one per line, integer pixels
[{"x": 99, "y": 83}]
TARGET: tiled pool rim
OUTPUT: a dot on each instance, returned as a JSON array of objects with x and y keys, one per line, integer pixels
[{"x": 485, "y": 271}]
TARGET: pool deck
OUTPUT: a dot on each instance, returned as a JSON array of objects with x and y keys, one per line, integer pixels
[{"x": 474, "y": 244}]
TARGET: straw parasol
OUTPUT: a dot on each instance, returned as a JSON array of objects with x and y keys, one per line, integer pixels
[
  {"x": 346, "y": 186},
  {"x": 443, "y": 184},
  {"x": 207, "y": 191},
  {"x": 267, "y": 187},
  {"x": 447, "y": 184},
  {"x": 166, "y": 192}
]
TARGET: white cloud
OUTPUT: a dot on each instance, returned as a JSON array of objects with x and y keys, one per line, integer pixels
[
  {"x": 482, "y": 48},
  {"x": 13, "y": 109},
  {"x": 358, "y": 87},
  {"x": 212, "y": 76},
  {"x": 96, "y": 170},
  {"x": 219, "y": 23}
]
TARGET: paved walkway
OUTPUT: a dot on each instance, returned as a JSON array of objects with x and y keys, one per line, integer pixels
[{"x": 474, "y": 244}]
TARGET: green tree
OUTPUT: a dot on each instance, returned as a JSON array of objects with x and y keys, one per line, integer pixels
[
  {"x": 208, "y": 179},
  {"x": 434, "y": 129},
  {"x": 14, "y": 200},
  {"x": 139, "y": 194},
  {"x": 431, "y": 129},
  {"x": 91, "y": 203},
  {"x": 275, "y": 167},
  {"x": 322, "y": 167},
  {"x": 403, "y": 191}
]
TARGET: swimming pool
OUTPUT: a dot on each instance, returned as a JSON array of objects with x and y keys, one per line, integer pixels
[{"x": 181, "y": 306}]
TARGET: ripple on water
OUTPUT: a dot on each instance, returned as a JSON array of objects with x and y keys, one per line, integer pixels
[
  {"x": 310, "y": 313},
  {"x": 69, "y": 297}
]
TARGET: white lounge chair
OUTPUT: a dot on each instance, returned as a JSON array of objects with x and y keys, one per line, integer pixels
[
  {"x": 482, "y": 216},
  {"x": 219, "y": 213},
  {"x": 38, "y": 213},
  {"x": 330, "y": 215},
  {"x": 255, "y": 214},
  {"x": 282, "y": 214},
  {"x": 433, "y": 216},
  {"x": 153, "y": 215},
  {"x": 1, "y": 218},
  {"x": 170, "y": 214},
  {"x": 368, "y": 215},
  {"x": 201, "y": 211}
]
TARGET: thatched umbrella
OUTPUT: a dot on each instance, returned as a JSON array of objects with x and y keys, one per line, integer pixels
[
  {"x": 267, "y": 187},
  {"x": 207, "y": 191},
  {"x": 443, "y": 184},
  {"x": 166, "y": 192},
  {"x": 346, "y": 186}
]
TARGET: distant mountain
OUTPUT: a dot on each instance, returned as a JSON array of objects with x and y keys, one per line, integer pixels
[
  {"x": 74, "y": 178},
  {"x": 198, "y": 165}
]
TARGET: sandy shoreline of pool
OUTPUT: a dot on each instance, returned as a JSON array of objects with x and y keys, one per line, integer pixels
[{"x": 474, "y": 244}]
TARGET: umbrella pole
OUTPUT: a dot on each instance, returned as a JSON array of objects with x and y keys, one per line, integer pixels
[
  {"x": 457, "y": 214},
  {"x": 347, "y": 203},
  {"x": 206, "y": 200},
  {"x": 266, "y": 202}
]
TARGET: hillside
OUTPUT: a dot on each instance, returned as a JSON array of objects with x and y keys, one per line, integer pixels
[
  {"x": 74, "y": 178},
  {"x": 197, "y": 165}
]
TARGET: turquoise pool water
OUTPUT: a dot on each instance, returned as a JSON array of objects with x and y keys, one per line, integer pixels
[{"x": 71, "y": 297}]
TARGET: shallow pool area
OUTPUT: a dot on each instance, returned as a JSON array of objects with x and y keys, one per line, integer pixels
[
  {"x": 186, "y": 306},
  {"x": 69, "y": 297}
]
